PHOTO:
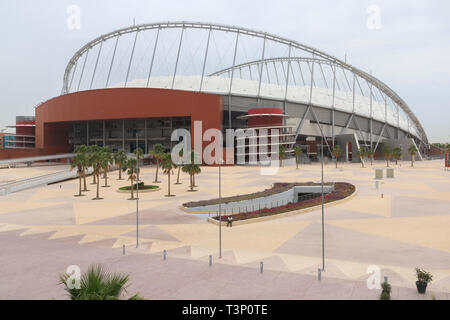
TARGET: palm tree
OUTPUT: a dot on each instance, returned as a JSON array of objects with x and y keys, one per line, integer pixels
[
  {"x": 281, "y": 153},
  {"x": 139, "y": 155},
  {"x": 298, "y": 152},
  {"x": 362, "y": 152},
  {"x": 84, "y": 161},
  {"x": 337, "y": 153},
  {"x": 192, "y": 169},
  {"x": 387, "y": 152},
  {"x": 397, "y": 154},
  {"x": 157, "y": 152},
  {"x": 131, "y": 168},
  {"x": 168, "y": 165},
  {"x": 97, "y": 284},
  {"x": 370, "y": 154},
  {"x": 78, "y": 162},
  {"x": 120, "y": 158},
  {"x": 91, "y": 154},
  {"x": 106, "y": 160},
  {"x": 96, "y": 162},
  {"x": 179, "y": 167},
  {"x": 412, "y": 151}
]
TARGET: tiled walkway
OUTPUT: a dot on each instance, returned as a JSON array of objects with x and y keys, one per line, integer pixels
[{"x": 44, "y": 230}]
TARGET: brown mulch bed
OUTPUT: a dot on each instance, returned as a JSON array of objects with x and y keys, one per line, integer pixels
[
  {"x": 341, "y": 190},
  {"x": 277, "y": 187}
]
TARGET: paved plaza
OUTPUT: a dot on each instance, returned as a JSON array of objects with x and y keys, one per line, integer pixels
[{"x": 402, "y": 225}]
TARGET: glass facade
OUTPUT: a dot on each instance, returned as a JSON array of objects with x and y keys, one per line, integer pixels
[{"x": 121, "y": 134}]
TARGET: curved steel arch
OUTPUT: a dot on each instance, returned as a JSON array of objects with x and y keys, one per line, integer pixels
[
  {"x": 390, "y": 93},
  {"x": 260, "y": 34},
  {"x": 277, "y": 59}
]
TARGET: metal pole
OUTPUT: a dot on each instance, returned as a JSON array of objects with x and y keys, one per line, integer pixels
[
  {"x": 112, "y": 61},
  {"x": 323, "y": 226},
  {"x": 82, "y": 70},
  {"x": 131, "y": 59},
  {"x": 287, "y": 84},
  {"x": 261, "y": 68},
  {"x": 204, "y": 60},
  {"x": 311, "y": 83},
  {"x": 178, "y": 57},
  {"x": 371, "y": 117},
  {"x": 220, "y": 209},
  {"x": 153, "y": 58},
  {"x": 137, "y": 195},
  {"x": 332, "y": 104},
  {"x": 73, "y": 76},
  {"x": 96, "y": 63},
  {"x": 231, "y": 80},
  {"x": 353, "y": 94}
]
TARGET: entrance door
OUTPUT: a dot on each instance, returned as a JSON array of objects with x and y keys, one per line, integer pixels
[{"x": 348, "y": 150}]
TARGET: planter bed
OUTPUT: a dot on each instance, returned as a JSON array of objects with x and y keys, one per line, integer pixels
[
  {"x": 277, "y": 187},
  {"x": 145, "y": 188},
  {"x": 341, "y": 191}
]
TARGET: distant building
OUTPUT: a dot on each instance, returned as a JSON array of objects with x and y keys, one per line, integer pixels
[{"x": 147, "y": 80}]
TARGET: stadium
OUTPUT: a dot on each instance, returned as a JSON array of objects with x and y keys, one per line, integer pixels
[{"x": 135, "y": 85}]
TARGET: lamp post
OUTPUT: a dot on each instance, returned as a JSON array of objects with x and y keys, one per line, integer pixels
[
  {"x": 323, "y": 224},
  {"x": 137, "y": 194},
  {"x": 220, "y": 208}
]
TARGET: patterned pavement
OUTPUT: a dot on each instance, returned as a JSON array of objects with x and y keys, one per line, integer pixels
[{"x": 402, "y": 225}]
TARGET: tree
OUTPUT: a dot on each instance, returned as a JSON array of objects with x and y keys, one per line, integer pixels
[
  {"x": 168, "y": 166},
  {"x": 78, "y": 162},
  {"x": 106, "y": 159},
  {"x": 397, "y": 154},
  {"x": 83, "y": 151},
  {"x": 412, "y": 151},
  {"x": 120, "y": 158},
  {"x": 91, "y": 154},
  {"x": 97, "y": 284},
  {"x": 362, "y": 154},
  {"x": 337, "y": 153},
  {"x": 387, "y": 152},
  {"x": 179, "y": 167},
  {"x": 131, "y": 169},
  {"x": 298, "y": 152},
  {"x": 139, "y": 155},
  {"x": 192, "y": 169},
  {"x": 370, "y": 154},
  {"x": 96, "y": 162},
  {"x": 157, "y": 153},
  {"x": 281, "y": 153}
]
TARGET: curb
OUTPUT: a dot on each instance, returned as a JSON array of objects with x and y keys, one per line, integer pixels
[{"x": 140, "y": 191}]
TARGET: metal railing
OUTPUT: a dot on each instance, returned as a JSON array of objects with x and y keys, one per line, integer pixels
[{"x": 37, "y": 181}]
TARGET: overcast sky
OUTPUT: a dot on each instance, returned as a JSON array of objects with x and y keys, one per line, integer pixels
[{"x": 410, "y": 51}]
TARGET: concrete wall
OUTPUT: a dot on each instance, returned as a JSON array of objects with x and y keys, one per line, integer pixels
[
  {"x": 342, "y": 141},
  {"x": 275, "y": 200}
]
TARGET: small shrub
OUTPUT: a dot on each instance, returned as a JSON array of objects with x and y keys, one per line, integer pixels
[
  {"x": 386, "y": 293},
  {"x": 385, "y": 296},
  {"x": 423, "y": 276},
  {"x": 386, "y": 287}
]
